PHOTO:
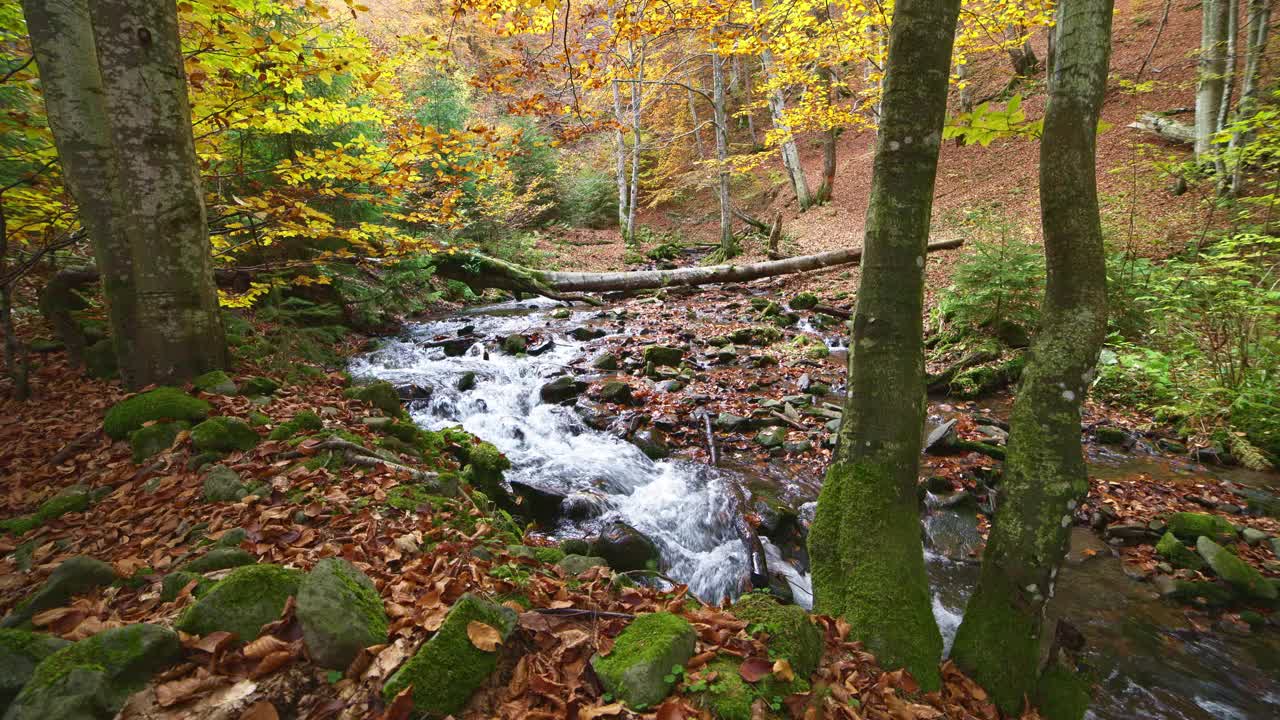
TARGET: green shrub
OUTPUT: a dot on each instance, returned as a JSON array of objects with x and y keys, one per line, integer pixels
[{"x": 588, "y": 198}]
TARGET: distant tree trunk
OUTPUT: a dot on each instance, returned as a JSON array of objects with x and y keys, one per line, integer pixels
[
  {"x": 620, "y": 167},
  {"x": 637, "y": 110},
  {"x": 697, "y": 134},
  {"x": 777, "y": 110},
  {"x": 1256, "y": 48},
  {"x": 829, "y": 139},
  {"x": 1228, "y": 89},
  {"x": 1003, "y": 642},
  {"x": 1022, "y": 57},
  {"x": 179, "y": 328},
  {"x": 728, "y": 244},
  {"x": 1211, "y": 73},
  {"x": 15, "y": 354},
  {"x": 62, "y": 38},
  {"x": 867, "y": 558},
  {"x": 965, "y": 92}
]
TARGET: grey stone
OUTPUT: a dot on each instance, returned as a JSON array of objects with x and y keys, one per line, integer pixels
[
  {"x": 340, "y": 612},
  {"x": 74, "y": 576}
]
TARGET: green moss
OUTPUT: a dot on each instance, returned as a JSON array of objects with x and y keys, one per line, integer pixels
[
  {"x": 862, "y": 525},
  {"x": 20, "y": 652},
  {"x": 100, "y": 360},
  {"x": 163, "y": 403},
  {"x": 448, "y": 668},
  {"x": 997, "y": 645},
  {"x": 152, "y": 439},
  {"x": 1210, "y": 593},
  {"x": 637, "y": 668},
  {"x": 1171, "y": 548},
  {"x": 729, "y": 696},
  {"x": 548, "y": 555},
  {"x": 1240, "y": 574},
  {"x": 484, "y": 469},
  {"x": 259, "y": 386},
  {"x": 96, "y": 675},
  {"x": 257, "y": 419},
  {"x": 222, "y": 484},
  {"x": 761, "y": 335},
  {"x": 215, "y": 382},
  {"x": 660, "y": 355},
  {"x": 74, "y": 576},
  {"x": 412, "y": 497},
  {"x": 340, "y": 613},
  {"x": 1189, "y": 526},
  {"x": 243, "y": 602},
  {"x": 792, "y": 636},
  {"x": 224, "y": 434},
  {"x": 173, "y": 583},
  {"x": 1063, "y": 694},
  {"x": 220, "y": 559},
  {"x": 305, "y": 421},
  {"x": 380, "y": 394},
  {"x": 20, "y": 526},
  {"x": 978, "y": 381},
  {"x": 804, "y": 301}
]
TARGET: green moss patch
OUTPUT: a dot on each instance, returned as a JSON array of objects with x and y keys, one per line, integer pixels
[
  {"x": 259, "y": 386},
  {"x": 220, "y": 559},
  {"x": 222, "y": 484},
  {"x": 1171, "y": 548},
  {"x": 75, "y": 576},
  {"x": 154, "y": 439},
  {"x": 638, "y": 671},
  {"x": 243, "y": 602},
  {"x": 223, "y": 434},
  {"x": 76, "y": 498},
  {"x": 1189, "y": 526},
  {"x": 175, "y": 581},
  {"x": 448, "y": 668},
  {"x": 20, "y": 652},
  {"x": 340, "y": 612},
  {"x": 163, "y": 403},
  {"x": 791, "y": 634},
  {"x": 380, "y": 394},
  {"x": 305, "y": 421},
  {"x": 215, "y": 382},
  {"x": 1240, "y": 574}
]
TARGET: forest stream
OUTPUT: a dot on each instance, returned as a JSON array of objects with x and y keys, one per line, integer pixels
[{"x": 1152, "y": 659}]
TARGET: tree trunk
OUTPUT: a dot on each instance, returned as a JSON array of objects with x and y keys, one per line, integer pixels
[
  {"x": 480, "y": 272},
  {"x": 1228, "y": 89},
  {"x": 1022, "y": 57},
  {"x": 179, "y": 328},
  {"x": 637, "y": 111},
  {"x": 728, "y": 243},
  {"x": 697, "y": 134},
  {"x": 1256, "y": 48},
  {"x": 867, "y": 558},
  {"x": 1211, "y": 71},
  {"x": 1165, "y": 128},
  {"x": 777, "y": 111},
  {"x": 62, "y": 39},
  {"x": 1004, "y": 642},
  {"x": 829, "y": 139},
  {"x": 620, "y": 153}
]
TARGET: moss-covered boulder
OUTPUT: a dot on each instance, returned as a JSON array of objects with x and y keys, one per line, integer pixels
[
  {"x": 20, "y": 652},
  {"x": 606, "y": 361},
  {"x": 100, "y": 360},
  {"x": 243, "y": 602},
  {"x": 771, "y": 437},
  {"x": 485, "y": 465},
  {"x": 340, "y": 612},
  {"x": 380, "y": 394},
  {"x": 760, "y": 335},
  {"x": 625, "y": 548},
  {"x": 791, "y": 633},
  {"x": 660, "y": 355},
  {"x": 1189, "y": 526},
  {"x": 215, "y": 382},
  {"x": 514, "y": 344},
  {"x": 574, "y": 564},
  {"x": 163, "y": 403},
  {"x": 220, "y": 558},
  {"x": 76, "y": 498},
  {"x": 449, "y": 667},
  {"x": 562, "y": 389},
  {"x": 91, "y": 679},
  {"x": 804, "y": 301},
  {"x": 616, "y": 391},
  {"x": 223, "y": 434},
  {"x": 1171, "y": 548},
  {"x": 305, "y": 421},
  {"x": 153, "y": 439},
  {"x": 259, "y": 386},
  {"x": 1240, "y": 574},
  {"x": 638, "y": 671},
  {"x": 222, "y": 484},
  {"x": 75, "y": 576},
  {"x": 728, "y": 696},
  {"x": 173, "y": 583}
]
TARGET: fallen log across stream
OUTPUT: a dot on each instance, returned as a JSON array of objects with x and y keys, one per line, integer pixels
[{"x": 480, "y": 272}]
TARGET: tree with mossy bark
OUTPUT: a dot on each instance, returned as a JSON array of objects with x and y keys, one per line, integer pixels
[
  {"x": 867, "y": 557},
  {"x": 1004, "y": 642}
]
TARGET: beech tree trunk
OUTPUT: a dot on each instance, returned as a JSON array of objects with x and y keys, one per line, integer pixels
[
  {"x": 867, "y": 558},
  {"x": 829, "y": 139},
  {"x": 728, "y": 243},
  {"x": 178, "y": 326},
  {"x": 777, "y": 111},
  {"x": 1211, "y": 73},
  {"x": 1255, "y": 49},
  {"x": 62, "y": 39},
  {"x": 1004, "y": 641}
]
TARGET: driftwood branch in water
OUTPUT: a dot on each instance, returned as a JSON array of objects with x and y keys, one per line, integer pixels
[
  {"x": 1165, "y": 128},
  {"x": 480, "y": 271}
]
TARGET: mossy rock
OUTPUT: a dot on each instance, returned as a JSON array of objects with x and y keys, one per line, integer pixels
[
  {"x": 20, "y": 652},
  {"x": 1210, "y": 593},
  {"x": 485, "y": 465},
  {"x": 224, "y": 434},
  {"x": 215, "y": 382},
  {"x": 231, "y": 538},
  {"x": 607, "y": 362},
  {"x": 305, "y": 421},
  {"x": 163, "y": 403},
  {"x": 76, "y": 498},
  {"x": 154, "y": 439},
  {"x": 173, "y": 583},
  {"x": 804, "y": 301},
  {"x": 1171, "y": 548},
  {"x": 616, "y": 391},
  {"x": 380, "y": 394},
  {"x": 638, "y": 671},
  {"x": 448, "y": 668},
  {"x": 728, "y": 696},
  {"x": 75, "y": 576},
  {"x": 247, "y": 599},
  {"x": 663, "y": 355},
  {"x": 791, "y": 633},
  {"x": 761, "y": 335},
  {"x": 1110, "y": 435},
  {"x": 561, "y": 389},
  {"x": 575, "y": 546},
  {"x": 221, "y": 558},
  {"x": 1064, "y": 693},
  {"x": 92, "y": 679},
  {"x": 1240, "y": 574},
  {"x": 1189, "y": 526},
  {"x": 771, "y": 437},
  {"x": 514, "y": 344},
  {"x": 222, "y": 484},
  {"x": 340, "y": 613},
  {"x": 100, "y": 360},
  {"x": 259, "y": 386},
  {"x": 574, "y": 564},
  {"x": 625, "y": 548}
]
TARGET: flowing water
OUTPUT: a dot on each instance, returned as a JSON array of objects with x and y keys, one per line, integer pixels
[{"x": 1151, "y": 660}]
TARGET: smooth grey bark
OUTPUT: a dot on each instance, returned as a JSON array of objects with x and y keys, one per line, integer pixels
[
  {"x": 777, "y": 112},
  {"x": 1210, "y": 73},
  {"x": 867, "y": 557},
  {"x": 728, "y": 243},
  {"x": 1005, "y": 642},
  {"x": 1165, "y": 128},
  {"x": 179, "y": 328},
  {"x": 697, "y": 133},
  {"x": 61, "y": 36},
  {"x": 1255, "y": 49},
  {"x": 1228, "y": 89}
]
